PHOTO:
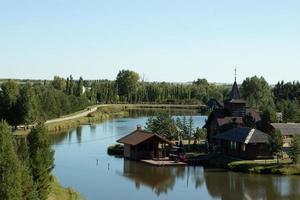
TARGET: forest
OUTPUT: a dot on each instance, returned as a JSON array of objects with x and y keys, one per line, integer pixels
[{"x": 29, "y": 102}]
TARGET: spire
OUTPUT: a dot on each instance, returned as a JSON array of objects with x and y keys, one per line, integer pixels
[
  {"x": 235, "y": 92},
  {"x": 234, "y": 74}
]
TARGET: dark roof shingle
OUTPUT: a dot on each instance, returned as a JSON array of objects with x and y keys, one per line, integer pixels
[
  {"x": 244, "y": 135},
  {"x": 287, "y": 128},
  {"x": 139, "y": 136}
]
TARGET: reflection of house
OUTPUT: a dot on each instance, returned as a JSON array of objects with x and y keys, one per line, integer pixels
[
  {"x": 159, "y": 179},
  {"x": 244, "y": 142},
  {"x": 288, "y": 131},
  {"x": 228, "y": 117},
  {"x": 141, "y": 144}
]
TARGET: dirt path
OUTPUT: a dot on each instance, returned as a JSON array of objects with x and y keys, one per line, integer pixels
[{"x": 83, "y": 114}]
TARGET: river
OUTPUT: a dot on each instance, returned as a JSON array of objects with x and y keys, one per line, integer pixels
[{"x": 81, "y": 162}]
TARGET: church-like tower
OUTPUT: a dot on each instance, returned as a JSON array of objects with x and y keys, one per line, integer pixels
[{"x": 235, "y": 104}]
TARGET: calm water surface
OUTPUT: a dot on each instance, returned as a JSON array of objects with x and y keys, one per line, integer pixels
[{"x": 76, "y": 166}]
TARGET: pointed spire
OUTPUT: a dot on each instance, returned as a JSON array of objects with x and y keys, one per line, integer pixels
[{"x": 235, "y": 92}]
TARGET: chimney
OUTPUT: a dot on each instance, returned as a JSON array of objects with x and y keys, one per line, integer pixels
[{"x": 139, "y": 128}]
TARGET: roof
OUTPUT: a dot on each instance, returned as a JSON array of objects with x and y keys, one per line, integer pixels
[
  {"x": 139, "y": 136},
  {"x": 228, "y": 120},
  {"x": 235, "y": 92},
  {"x": 244, "y": 135},
  {"x": 236, "y": 101},
  {"x": 214, "y": 104},
  {"x": 287, "y": 128}
]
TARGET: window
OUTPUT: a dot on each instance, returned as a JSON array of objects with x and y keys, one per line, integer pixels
[
  {"x": 243, "y": 147},
  {"x": 233, "y": 145}
]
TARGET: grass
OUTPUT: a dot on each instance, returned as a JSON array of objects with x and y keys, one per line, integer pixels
[
  {"x": 58, "y": 192},
  {"x": 270, "y": 166}
]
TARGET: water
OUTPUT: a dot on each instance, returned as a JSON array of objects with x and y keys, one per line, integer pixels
[{"x": 81, "y": 162}]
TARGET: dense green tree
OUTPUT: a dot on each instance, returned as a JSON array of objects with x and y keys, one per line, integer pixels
[
  {"x": 294, "y": 151},
  {"x": 79, "y": 88},
  {"x": 27, "y": 105},
  {"x": 59, "y": 83},
  {"x": 199, "y": 134},
  {"x": 8, "y": 101},
  {"x": 268, "y": 116},
  {"x": 162, "y": 124},
  {"x": 41, "y": 157},
  {"x": 276, "y": 143},
  {"x": 257, "y": 92},
  {"x": 10, "y": 169},
  {"x": 127, "y": 82},
  {"x": 249, "y": 121}
]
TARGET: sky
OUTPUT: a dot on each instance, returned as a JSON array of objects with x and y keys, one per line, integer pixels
[{"x": 162, "y": 40}]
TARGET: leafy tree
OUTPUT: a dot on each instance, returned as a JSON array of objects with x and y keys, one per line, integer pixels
[
  {"x": 8, "y": 101},
  {"x": 41, "y": 157},
  {"x": 249, "y": 121},
  {"x": 294, "y": 151},
  {"x": 27, "y": 105},
  {"x": 79, "y": 89},
  {"x": 276, "y": 143},
  {"x": 268, "y": 116},
  {"x": 199, "y": 134},
  {"x": 59, "y": 83},
  {"x": 127, "y": 82},
  {"x": 257, "y": 92},
  {"x": 162, "y": 124},
  {"x": 10, "y": 169}
]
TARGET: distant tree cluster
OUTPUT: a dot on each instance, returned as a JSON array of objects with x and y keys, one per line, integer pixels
[
  {"x": 128, "y": 88},
  {"x": 25, "y": 166},
  {"x": 175, "y": 129},
  {"x": 28, "y": 103},
  {"x": 283, "y": 97}
]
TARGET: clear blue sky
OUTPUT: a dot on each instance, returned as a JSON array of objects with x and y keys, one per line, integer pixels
[{"x": 163, "y": 40}]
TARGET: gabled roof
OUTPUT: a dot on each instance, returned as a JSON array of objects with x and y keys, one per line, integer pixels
[
  {"x": 139, "y": 136},
  {"x": 244, "y": 135},
  {"x": 235, "y": 92},
  {"x": 287, "y": 128}
]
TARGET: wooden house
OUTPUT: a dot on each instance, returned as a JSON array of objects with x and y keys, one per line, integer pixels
[
  {"x": 229, "y": 116},
  {"x": 288, "y": 131},
  {"x": 144, "y": 145},
  {"x": 244, "y": 142}
]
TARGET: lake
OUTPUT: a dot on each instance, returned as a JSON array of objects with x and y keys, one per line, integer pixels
[{"x": 81, "y": 162}]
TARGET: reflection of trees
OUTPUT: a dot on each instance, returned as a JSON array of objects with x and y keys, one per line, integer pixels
[
  {"x": 59, "y": 138},
  {"x": 229, "y": 186},
  {"x": 134, "y": 113},
  {"x": 79, "y": 134},
  {"x": 160, "y": 179}
]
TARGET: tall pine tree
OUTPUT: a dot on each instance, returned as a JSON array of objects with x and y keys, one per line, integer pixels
[
  {"x": 10, "y": 169},
  {"x": 41, "y": 157}
]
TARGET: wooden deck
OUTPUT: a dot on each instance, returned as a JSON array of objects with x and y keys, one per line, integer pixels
[{"x": 163, "y": 163}]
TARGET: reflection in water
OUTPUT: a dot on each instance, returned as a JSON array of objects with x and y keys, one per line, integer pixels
[
  {"x": 228, "y": 185},
  {"x": 162, "y": 179},
  {"x": 159, "y": 179},
  {"x": 79, "y": 134},
  {"x": 220, "y": 184}
]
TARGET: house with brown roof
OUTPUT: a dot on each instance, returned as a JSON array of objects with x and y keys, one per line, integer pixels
[
  {"x": 229, "y": 116},
  {"x": 244, "y": 142},
  {"x": 143, "y": 145},
  {"x": 288, "y": 131}
]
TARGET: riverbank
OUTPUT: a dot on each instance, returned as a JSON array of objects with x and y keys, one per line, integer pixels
[
  {"x": 58, "y": 192},
  {"x": 270, "y": 166},
  {"x": 99, "y": 113}
]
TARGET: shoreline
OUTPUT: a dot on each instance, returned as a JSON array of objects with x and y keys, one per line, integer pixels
[{"x": 99, "y": 113}]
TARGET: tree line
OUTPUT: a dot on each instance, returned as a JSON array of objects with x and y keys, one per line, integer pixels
[{"x": 41, "y": 100}]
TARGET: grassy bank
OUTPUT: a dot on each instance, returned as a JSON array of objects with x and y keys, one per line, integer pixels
[
  {"x": 102, "y": 113},
  {"x": 58, "y": 192},
  {"x": 284, "y": 167}
]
